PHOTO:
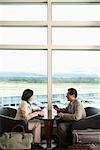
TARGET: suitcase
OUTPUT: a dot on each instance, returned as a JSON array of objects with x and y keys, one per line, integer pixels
[{"x": 88, "y": 136}]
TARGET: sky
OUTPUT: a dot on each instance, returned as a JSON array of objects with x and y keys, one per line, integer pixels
[
  {"x": 23, "y": 61},
  {"x": 62, "y": 61}
]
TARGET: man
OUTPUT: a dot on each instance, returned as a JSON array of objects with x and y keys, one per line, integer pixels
[{"x": 74, "y": 111}]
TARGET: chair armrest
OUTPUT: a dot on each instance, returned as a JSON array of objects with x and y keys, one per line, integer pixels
[
  {"x": 92, "y": 122},
  {"x": 7, "y": 123},
  {"x": 88, "y": 122}
]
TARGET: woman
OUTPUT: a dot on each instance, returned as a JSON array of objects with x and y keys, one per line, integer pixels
[{"x": 25, "y": 111}]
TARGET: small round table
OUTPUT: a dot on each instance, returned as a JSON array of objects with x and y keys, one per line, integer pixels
[{"x": 48, "y": 127}]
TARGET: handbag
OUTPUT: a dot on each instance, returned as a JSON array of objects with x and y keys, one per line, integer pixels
[{"x": 16, "y": 140}]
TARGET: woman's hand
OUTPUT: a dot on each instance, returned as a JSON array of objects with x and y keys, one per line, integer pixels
[
  {"x": 36, "y": 110},
  {"x": 41, "y": 113}
]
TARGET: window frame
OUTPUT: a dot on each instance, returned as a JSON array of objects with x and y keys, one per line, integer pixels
[{"x": 49, "y": 24}]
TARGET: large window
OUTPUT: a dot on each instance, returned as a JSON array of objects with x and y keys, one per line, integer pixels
[
  {"x": 77, "y": 69},
  {"x": 56, "y": 44},
  {"x": 19, "y": 70}
]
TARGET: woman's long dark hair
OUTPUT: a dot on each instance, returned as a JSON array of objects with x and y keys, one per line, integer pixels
[{"x": 26, "y": 95}]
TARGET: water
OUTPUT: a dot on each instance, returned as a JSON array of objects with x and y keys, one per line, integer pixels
[{"x": 87, "y": 99}]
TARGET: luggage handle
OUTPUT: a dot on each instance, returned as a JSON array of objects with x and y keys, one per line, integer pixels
[{"x": 15, "y": 127}]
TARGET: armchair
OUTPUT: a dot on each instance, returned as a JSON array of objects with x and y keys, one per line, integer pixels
[
  {"x": 92, "y": 120},
  {"x": 8, "y": 121},
  {"x": 87, "y": 130}
]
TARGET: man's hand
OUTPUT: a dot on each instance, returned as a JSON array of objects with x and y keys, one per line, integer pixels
[
  {"x": 60, "y": 114},
  {"x": 55, "y": 107}
]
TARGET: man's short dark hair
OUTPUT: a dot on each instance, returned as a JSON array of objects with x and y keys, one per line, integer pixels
[{"x": 72, "y": 91}]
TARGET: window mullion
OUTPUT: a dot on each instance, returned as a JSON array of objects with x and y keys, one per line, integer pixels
[{"x": 49, "y": 43}]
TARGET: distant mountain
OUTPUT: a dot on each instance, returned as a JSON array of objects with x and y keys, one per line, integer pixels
[
  {"x": 57, "y": 75},
  {"x": 75, "y": 75},
  {"x": 20, "y": 74}
]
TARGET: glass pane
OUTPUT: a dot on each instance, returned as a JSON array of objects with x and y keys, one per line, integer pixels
[
  {"x": 79, "y": 70},
  {"x": 23, "y": 12},
  {"x": 22, "y": 69},
  {"x": 76, "y": 36},
  {"x": 74, "y": 1},
  {"x": 23, "y": 35},
  {"x": 76, "y": 12}
]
